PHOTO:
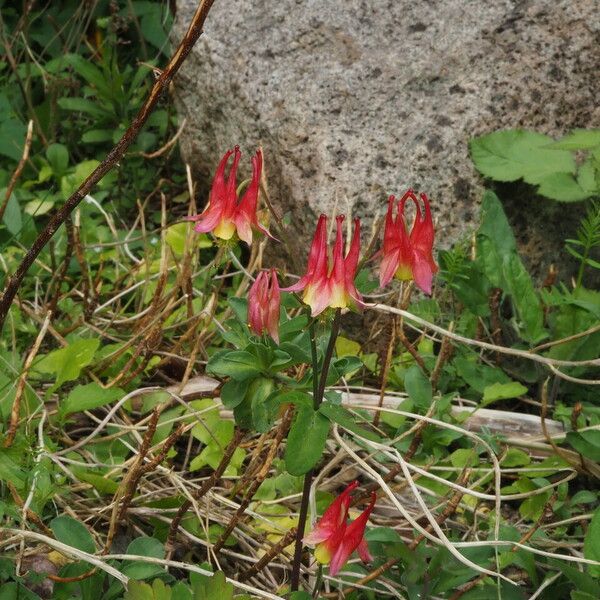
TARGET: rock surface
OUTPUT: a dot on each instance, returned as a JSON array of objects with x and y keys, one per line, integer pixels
[{"x": 354, "y": 100}]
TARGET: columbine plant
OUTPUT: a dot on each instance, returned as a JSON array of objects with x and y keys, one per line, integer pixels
[
  {"x": 267, "y": 368},
  {"x": 225, "y": 214}
]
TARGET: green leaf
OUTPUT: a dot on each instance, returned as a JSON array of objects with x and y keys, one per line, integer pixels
[
  {"x": 586, "y": 177},
  {"x": 338, "y": 414},
  {"x": 95, "y": 136},
  {"x": 143, "y": 546},
  {"x": 85, "y": 106},
  {"x": 12, "y": 213},
  {"x": 586, "y": 443},
  {"x": 591, "y": 543},
  {"x": 515, "y": 458},
  {"x": 69, "y": 183},
  {"x": 497, "y": 253},
  {"x": 58, "y": 157},
  {"x": 578, "y": 139},
  {"x": 418, "y": 387},
  {"x": 518, "y": 154},
  {"x": 502, "y": 391},
  {"x": 238, "y": 364},
  {"x": 88, "y": 397},
  {"x": 211, "y": 588},
  {"x": 176, "y": 236},
  {"x": 38, "y": 207},
  {"x": 306, "y": 441},
  {"x": 67, "y": 362},
  {"x": 73, "y": 533},
  {"x": 300, "y": 596},
  {"x": 102, "y": 484},
  {"x": 233, "y": 392},
  {"x": 136, "y": 590},
  {"x": 562, "y": 187}
]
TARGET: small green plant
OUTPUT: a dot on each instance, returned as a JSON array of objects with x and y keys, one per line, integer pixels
[{"x": 555, "y": 167}]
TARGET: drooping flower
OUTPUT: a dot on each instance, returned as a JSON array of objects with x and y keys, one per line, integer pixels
[
  {"x": 264, "y": 305},
  {"x": 225, "y": 215},
  {"x": 408, "y": 256},
  {"x": 335, "y": 540},
  {"x": 326, "y": 286}
]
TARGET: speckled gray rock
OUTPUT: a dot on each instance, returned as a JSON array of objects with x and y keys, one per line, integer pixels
[{"x": 353, "y": 100}]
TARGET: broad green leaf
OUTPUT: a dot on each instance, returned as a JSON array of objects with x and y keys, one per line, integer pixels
[
  {"x": 95, "y": 136},
  {"x": 58, "y": 157},
  {"x": 12, "y": 134},
  {"x": 591, "y": 543},
  {"x": 515, "y": 457},
  {"x": 143, "y": 546},
  {"x": 338, "y": 414},
  {"x": 519, "y": 154},
  {"x": 238, "y": 364},
  {"x": 586, "y": 177},
  {"x": 496, "y": 252},
  {"x": 562, "y": 187},
  {"x": 12, "y": 217},
  {"x": 73, "y": 533},
  {"x": 346, "y": 347},
  {"x": 38, "y": 207},
  {"x": 67, "y": 362},
  {"x": 418, "y": 387},
  {"x": 503, "y": 391},
  {"x": 102, "y": 484},
  {"x": 306, "y": 441},
  {"x": 233, "y": 392},
  {"x": 88, "y": 397},
  {"x": 464, "y": 457},
  {"x": 578, "y": 139},
  {"x": 176, "y": 236},
  {"x": 69, "y": 183},
  {"x": 586, "y": 443}
]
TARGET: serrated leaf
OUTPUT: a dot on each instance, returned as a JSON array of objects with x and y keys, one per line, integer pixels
[
  {"x": 578, "y": 139},
  {"x": 562, "y": 187}
]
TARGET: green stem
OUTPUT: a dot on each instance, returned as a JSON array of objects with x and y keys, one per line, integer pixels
[
  {"x": 586, "y": 253},
  {"x": 318, "y": 393}
]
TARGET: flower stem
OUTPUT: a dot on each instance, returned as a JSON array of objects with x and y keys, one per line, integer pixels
[{"x": 318, "y": 393}]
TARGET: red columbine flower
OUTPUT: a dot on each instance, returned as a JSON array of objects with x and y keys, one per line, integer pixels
[
  {"x": 335, "y": 540},
  {"x": 408, "y": 256},
  {"x": 324, "y": 287},
  {"x": 263, "y": 305},
  {"x": 225, "y": 215}
]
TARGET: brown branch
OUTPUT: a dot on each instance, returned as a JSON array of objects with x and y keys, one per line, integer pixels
[
  {"x": 113, "y": 157},
  {"x": 257, "y": 481},
  {"x": 446, "y": 351},
  {"x": 31, "y": 516},
  {"x": 385, "y": 370},
  {"x": 266, "y": 558},
  {"x": 206, "y": 486},
  {"x": 18, "y": 170}
]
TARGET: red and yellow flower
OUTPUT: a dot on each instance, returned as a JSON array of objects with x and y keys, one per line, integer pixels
[
  {"x": 264, "y": 305},
  {"x": 334, "y": 539},
  {"x": 325, "y": 286},
  {"x": 225, "y": 214},
  {"x": 408, "y": 256}
]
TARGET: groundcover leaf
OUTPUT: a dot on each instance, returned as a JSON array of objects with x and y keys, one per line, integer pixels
[
  {"x": 519, "y": 154},
  {"x": 73, "y": 533},
  {"x": 67, "y": 362},
  {"x": 87, "y": 397},
  {"x": 306, "y": 441}
]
